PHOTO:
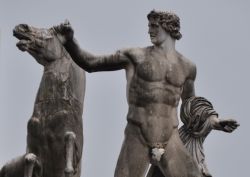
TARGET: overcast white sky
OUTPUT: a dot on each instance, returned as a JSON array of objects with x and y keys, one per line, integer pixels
[{"x": 215, "y": 36}]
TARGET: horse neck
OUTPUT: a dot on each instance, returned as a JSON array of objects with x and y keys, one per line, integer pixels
[
  {"x": 58, "y": 65},
  {"x": 65, "y": 68}
]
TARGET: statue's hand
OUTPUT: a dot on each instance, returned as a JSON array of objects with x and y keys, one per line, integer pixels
[
  {"x": 228, "y": 125},
  {"x": 66, "y": 30}
]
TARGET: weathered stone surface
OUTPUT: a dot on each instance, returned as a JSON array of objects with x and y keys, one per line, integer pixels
[
  {"x": 199, "y": 119},
  {"x": 55, "y": 132},
  {"x": 158, "y": 77}
]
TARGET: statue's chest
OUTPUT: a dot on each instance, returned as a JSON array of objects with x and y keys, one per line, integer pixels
[{"x": 154, "y": 70}]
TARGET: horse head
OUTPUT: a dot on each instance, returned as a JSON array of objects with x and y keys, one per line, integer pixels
[{"x": 43, "y": 44}]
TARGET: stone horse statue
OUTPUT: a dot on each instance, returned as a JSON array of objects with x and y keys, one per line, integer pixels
[{"x": 55, "y": 130}]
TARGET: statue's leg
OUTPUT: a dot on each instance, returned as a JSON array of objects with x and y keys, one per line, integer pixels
[
  {"x": 154, "y": 171},
  {"x": 34, "y": 136},
  {"x": 134, "y": 156},
  {"x": 33, "y": 150},
  {"x": 69, "y": 150},
  {"x": 2, "y": 172},
  {"x": 30, "y": 160},
  {"x": 176, "y": 161},
  {"x": 26, "y": 165}
]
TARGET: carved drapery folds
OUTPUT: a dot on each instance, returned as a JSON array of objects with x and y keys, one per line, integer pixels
[{"x": 195, "y": 114}]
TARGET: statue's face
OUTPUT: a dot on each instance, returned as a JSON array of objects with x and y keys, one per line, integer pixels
[
  {"x": 42, "y": 44},
  {"x": 157, "y": 34}
]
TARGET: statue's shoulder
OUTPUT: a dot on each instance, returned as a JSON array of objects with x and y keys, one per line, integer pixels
[
  {"x": 187, "y": 65},
  {"x": 135, "y": 51},
  {"x": 135, "y": 54}
]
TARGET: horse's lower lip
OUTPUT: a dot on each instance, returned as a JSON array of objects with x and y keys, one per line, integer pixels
[{"x": 21, "y": 45}]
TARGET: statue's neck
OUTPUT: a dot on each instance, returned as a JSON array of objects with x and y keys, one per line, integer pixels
[{"x": 167, "y": 47}]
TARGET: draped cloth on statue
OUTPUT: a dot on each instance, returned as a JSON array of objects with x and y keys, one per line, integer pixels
[{"x": 195, "y": 114}]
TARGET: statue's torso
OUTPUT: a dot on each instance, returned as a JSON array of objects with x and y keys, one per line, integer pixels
[{"x": 154, "y": 91}]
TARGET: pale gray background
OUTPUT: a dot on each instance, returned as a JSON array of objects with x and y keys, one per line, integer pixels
[{"x": 215, "y": 37}]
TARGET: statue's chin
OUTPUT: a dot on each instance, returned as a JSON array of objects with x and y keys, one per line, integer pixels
[{"x": 155, "y": 42}]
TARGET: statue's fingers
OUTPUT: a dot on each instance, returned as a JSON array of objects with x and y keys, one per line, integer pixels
[
  {"x": 62, "y": 27},
  {"x": 58, "y": 28},
  {"x": 231, "y": 120},
  {"x": 234, "y": 124},
  {"x": 228, "y": 120},
  {"x": 66, "y": 22},
  {"x": 228, "y": 129},
  {"x": 66, "y": 28},
  {"x": 231, "y": 129}
]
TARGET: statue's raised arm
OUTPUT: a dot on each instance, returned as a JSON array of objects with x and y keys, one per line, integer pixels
[{"x": 86, "y": 60}]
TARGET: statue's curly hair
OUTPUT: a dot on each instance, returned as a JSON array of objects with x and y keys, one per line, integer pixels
[{"x": 169, "y": 21}]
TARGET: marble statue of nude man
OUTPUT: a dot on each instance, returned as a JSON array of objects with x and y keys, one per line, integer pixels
[{"x": 158, "y": 76}]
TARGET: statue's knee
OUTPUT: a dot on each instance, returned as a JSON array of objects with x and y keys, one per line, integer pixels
[
  {"x": 69, "y": 136},
  {"x": 3, "y": 172},
  {"x": 33, "y": 125},
  {"x": 30, "y": 158},
  {"x": 69, "y": 170}
]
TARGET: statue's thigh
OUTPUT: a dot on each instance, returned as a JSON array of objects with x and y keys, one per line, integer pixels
[
  {"x": 34, "y": 136},
  {"x": 177, "y": 162},
  {"x": 134, "y": 156}
]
